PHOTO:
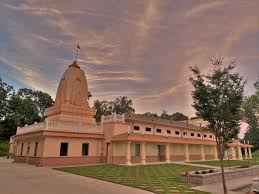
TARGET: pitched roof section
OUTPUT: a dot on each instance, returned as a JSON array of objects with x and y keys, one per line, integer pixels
[{"x": 159, "y": 121}]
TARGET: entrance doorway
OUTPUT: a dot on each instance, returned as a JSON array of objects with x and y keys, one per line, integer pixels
[{"x": 161, "y": 152}]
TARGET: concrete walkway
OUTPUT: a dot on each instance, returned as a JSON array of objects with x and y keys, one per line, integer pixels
[
  {"x": 234, "y": 186},
  {"x": 27, "y": 179},
  {"x": 199, "y": 165}
]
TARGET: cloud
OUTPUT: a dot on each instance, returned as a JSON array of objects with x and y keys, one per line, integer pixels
[
  {"x": 205, "y": 7},
  {"x": 141, "y": 49}
]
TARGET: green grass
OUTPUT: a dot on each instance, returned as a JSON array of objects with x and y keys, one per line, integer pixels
[
  {"x": 230, "y": 163},
  {"x": 4, "y": 148},
  {"x": 158, "y": 178}
]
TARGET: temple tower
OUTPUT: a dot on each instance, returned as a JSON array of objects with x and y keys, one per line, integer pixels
[{"x": 71, "y": 103}]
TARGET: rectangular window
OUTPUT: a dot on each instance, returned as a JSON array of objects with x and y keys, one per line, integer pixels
[
  {"x": 177, "y": 132},
  {"x": 136, "y": 127},
  {"x": 168, "y": 131},
  {"x": 204, "y": 135},
  {"x": 184, "y": 133},
  {"x": 63, "y": 149},
  {"x": 21, "y": 149},
  {"x": 137, "y": 149},
  {"x": 85, "y": 149},
  {"x": 148, "y": 129},
  {"x": 192, "y": 134},
  {"x": 158, "y": 130},
  {"x": 36, "y": 148},
  {"x": 198, "y": 135}
]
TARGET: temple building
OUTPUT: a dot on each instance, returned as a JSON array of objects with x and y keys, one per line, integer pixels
[{"x": 71, "y": 136}]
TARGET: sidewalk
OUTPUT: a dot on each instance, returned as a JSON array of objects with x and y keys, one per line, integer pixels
[
  {"x": 199, "y": 165},
  {"x": 233, "y": 186}
]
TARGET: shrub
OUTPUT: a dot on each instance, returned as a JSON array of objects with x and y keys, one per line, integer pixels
[{"x": 211, "y": 171}]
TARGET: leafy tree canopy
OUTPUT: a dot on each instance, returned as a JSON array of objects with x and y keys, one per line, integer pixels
[
  {"x": 25, "y": 106},
  {"x": 218, "y": 97},
  {"x": 251, "y": 115},
  {"x": 119, "y": 106}
]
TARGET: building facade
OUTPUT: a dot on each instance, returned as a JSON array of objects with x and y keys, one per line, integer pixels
[{"x": 70, "y": 135}]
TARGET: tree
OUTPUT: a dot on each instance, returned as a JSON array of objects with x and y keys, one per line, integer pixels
[
  {"x": 41, "y": 100},
  {"x": 123, "y": 105},
  {"x": 120, "y": 105},
  {"x": 179, "y": 117},
  {"x": 165, "y": 115},
  {"x": 150, "y": 114},
  {"x": 102, "y": 108},
  {"x": 251, "y": 114},
  {"x": 5, "y": 92},
  {"x": 218, "y": 97}
]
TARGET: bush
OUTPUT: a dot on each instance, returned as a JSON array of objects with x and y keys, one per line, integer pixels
[
  {"x": 244, "y": 166},
  {"x": 4, "y": 146},
  {"x": 211, "y": 171}
]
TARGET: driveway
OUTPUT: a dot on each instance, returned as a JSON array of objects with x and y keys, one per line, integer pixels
[{"x": 26, "y": 179}]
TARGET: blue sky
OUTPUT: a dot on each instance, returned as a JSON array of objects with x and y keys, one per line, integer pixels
[{"x": 138, "y": 48}]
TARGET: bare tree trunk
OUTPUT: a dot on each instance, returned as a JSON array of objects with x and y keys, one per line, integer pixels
[{"x": 222, "y": 169}]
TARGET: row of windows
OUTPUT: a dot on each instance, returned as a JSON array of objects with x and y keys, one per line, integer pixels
[
  {"x": 148, "y": 129},
  {"x": 64, "y": 149}
]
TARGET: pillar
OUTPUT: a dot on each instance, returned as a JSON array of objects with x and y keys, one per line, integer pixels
[
  {"x": 143, "y": 153},
  {"x": 187, "y": 158},
  {"x": 246, "y": 157},
  {"x": 249, "y": 153},
  {"x": 128, "y": 156},
  {"x": 167, "y": 153},
  {"x": 239, "y": 153},
  {"x": 202, "y": 153},
  {"x": 215, "y": 153},
  {"x": 233, "y": 153}
]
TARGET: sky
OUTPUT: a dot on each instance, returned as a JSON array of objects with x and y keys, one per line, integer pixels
[{"x": 138, "y": 48}]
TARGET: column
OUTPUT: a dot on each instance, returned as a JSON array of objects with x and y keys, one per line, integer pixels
[
  {"x": 128, "y": 156},
  {"x": 233, "y": 153},
  {"x": 167, "y": 153},
  {"x": 226, "y": 154},
  {"x": 249, "y": 153},
  {"x": 187, "y": 158},
  {"x": 215, "y": 153},
  {"x": 239, "y": 153},
  {"x": 202, "y": 153},
  {"x": 143, "y": 152},
  {"x": 246, "y": 157}
]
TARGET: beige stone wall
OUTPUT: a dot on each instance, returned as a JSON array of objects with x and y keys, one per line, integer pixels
[
  {"x": 177, "y": 149},
  {"x": 151, "y": 149},
  {"x": 119, "y": 148},
  {"x": 52, "y": 146},
  {"x": 209, "y": 150},
  {"x": 194, "y": 149},
  {"x": 30, "y": 142}
]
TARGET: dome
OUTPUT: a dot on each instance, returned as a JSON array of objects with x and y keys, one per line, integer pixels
[{"x": 72, "y": 87}]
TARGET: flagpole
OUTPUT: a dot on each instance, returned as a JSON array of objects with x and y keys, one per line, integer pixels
[{"x": 76, "y": 53}]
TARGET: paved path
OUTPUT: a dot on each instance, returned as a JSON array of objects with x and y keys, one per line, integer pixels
[
  {"x": 27, "y": 179},
  {"x": 232, "y": 185},
  {"x": 199, "y": 165}
]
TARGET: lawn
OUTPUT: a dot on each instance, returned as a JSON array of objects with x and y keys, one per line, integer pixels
[
  {"x": 4, "y": 147},
  {"x": 256, "y": 154},
  {"x": 158, "y": 178},
  {"x": 230, "y": 163}
]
